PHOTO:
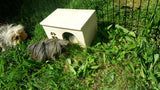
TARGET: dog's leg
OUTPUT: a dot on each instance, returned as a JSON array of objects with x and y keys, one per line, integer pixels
[{"x": 4, "y": 47}]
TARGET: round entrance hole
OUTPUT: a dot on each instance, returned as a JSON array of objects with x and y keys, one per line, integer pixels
[{"x": 70, "y": 37}]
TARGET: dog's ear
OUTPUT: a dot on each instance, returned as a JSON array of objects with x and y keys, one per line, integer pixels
[
  {"x": 21, "y": 32},
  {"x": 23, "y": 35},
  {"x": 19, "y": 27},
  {"x": 63, "y": 42}
]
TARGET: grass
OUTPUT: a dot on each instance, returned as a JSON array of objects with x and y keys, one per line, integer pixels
[{"x": 118, "y": 58}]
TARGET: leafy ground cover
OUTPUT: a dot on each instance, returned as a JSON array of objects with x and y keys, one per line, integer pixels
[{"x": 118, "y": 58}]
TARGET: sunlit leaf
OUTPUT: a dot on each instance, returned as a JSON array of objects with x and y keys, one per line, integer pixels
[
  {"x": 69, "y": 61},
  {"x": 122, "y": 28},
  {"x": 50, "y": 67},
  {"x": 109, "y": 27},
  {"x": 132, "y": 46},
  {"x": 156, "y": 58},
  {"x": 132, "y": 67},
  {"x": 132, "y": 34},
  {"x": 72, "y": 70},
  {"x": 95, "y": 67}
]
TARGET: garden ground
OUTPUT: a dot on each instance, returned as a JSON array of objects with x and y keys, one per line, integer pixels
[{"x": 119, "y": 58}]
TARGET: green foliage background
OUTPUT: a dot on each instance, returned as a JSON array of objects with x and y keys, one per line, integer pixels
[{"x": 119, "y": 58}]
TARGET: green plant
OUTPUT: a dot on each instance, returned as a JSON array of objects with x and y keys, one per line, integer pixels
[{"x": 119, "y": 58}]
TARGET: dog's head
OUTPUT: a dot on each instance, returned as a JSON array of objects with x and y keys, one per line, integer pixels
[
  {"x": 63, "y": 42},
  {"x": 46, "y": 49},
  {"x": 15, "y": 34}
]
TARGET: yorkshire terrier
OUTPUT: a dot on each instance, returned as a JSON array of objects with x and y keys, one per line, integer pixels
[
  {"x": 47, "y": 49},
  {"x": 10, "y": 35}
]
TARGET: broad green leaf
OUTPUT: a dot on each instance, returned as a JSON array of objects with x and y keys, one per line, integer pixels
[
  {"x": 132, "y": 67},
  {"x": 69, "y": 61},
  {"x": 145, "y": 56},
  {"x": 110, "y": 78},
  {"x": 130, "y": 39},
  {"x": 122, "y": 28},
  {"x": 104, "y": 57},
  {"x": 152, "y": 77},
  {"x": 50, "y": 67},
  {"x": 115, "y": 50},
  {"x": 134, "y": 53},
  {"x": 151, "y": 68},
  {"x": 38, "y": 72},
  {"x": 2, "y": 67},
  {"x": 1, "y": 82},
  {"x": 82, "y": 68},
  {"x": 132, "y": 46},
  {"x": 72, "y": 69},
  {"x": 143, "y": 67},
  {"x": 131, "y": 33},
  {"x": 156, "y": 57},
  {"x": 95, "y": 67},
  {"x": 109, "y": 27},
  {"x": 142, "y": 73}
]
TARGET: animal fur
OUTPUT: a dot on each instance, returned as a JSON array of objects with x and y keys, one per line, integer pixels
[
  {"x": 46, "y": 49},
  {"x": 10, "y": 35}
]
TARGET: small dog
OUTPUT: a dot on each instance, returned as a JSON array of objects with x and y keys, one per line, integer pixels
[
  {"x": 10, "y": 35},
  {"x": 47, "y": 49}
]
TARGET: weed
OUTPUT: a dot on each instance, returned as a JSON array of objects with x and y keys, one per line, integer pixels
[{"x": 122, "y": 56}]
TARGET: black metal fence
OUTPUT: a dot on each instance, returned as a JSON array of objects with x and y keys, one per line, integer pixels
[{"x": 133, "y": 14}]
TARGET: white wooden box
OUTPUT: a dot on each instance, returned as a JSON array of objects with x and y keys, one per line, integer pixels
[{"x": 81, "y": 23}]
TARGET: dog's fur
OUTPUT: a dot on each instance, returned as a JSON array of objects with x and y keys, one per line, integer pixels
[
  {"x": 46, "y": 49},
  {"x": 10, "y": 35}
]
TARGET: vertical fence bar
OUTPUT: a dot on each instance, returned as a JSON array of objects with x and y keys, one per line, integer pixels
[
  {"x": 155, "y": 9},
  {"x": 159, "y": 19},
  {"x": 139, "y": 14},
  {"x": 132, "y": 15},
  {"x": 152, "y": 19},
  {"x": 103, "y": 12},
  {"x": 157, "y": 30},
  {"x": 119, "y": 12},
  {"x": 107, "y": 12},
  {"x": 158, "y": 25},
  {"x": 147, "y": 12},
  {"x": 84, "y": 2},
  {"x": 113, "y": 11},
  {"x": 125, "y": 18},
  {"x": 96, "y": 7}
]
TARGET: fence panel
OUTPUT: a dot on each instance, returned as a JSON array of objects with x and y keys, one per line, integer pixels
[{"x": 132, "y": 14}]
